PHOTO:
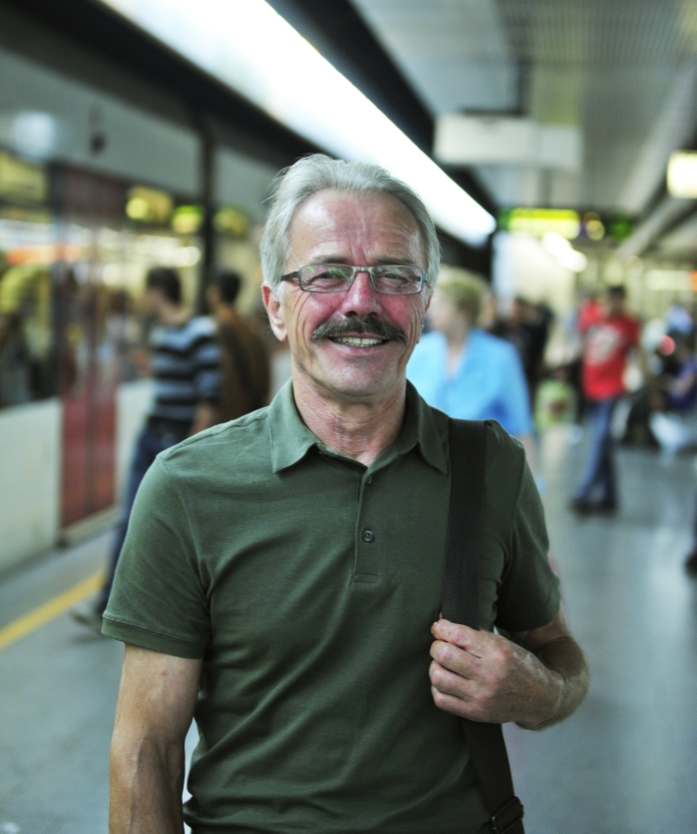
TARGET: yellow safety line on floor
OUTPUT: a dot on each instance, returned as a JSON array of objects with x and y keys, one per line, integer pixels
[{"x": 51, "y": 609}]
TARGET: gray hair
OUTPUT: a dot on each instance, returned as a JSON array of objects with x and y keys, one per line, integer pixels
[{"x": 317, "y": 172}]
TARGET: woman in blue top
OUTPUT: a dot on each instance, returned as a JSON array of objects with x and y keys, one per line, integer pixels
[{"x": 464, "y": 371}]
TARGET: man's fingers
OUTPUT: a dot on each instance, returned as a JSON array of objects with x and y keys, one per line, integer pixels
[
  {"x": 463, "y": 709},
  {"x": 460, "y": 661},
  {"x": 463, "y": 636},
  {"x": 486, "y": 674},
  {"x": 452, "y": 683},
  {"x": 456, "y": 695}
]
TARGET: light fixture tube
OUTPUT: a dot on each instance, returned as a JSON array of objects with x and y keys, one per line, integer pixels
[{"x": 252, "y": 49}]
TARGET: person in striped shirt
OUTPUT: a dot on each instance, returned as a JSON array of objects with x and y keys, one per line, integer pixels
[{"x": 185, "y": 367}]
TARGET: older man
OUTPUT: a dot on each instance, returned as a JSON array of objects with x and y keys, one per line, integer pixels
[{"x": 281, "y": 580}]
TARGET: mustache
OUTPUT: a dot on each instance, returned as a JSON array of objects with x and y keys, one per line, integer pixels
[{"x": 371, "y": 325}]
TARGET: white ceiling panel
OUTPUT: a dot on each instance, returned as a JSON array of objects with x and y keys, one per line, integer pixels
[
  {"x": 453, "y": 52},
  {"x": 621, "y": 71}
]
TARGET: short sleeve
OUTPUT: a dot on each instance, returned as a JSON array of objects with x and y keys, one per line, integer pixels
[
  {"x": 528, "y": 595},
  {"x": 158, "y": 600}
]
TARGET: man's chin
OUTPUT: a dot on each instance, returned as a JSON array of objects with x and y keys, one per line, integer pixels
[
  {"x": 337, "y": 376},
  {"x": 355, "y": 388}
]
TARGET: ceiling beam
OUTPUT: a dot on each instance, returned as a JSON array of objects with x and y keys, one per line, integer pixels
[{"x": 97, "y": 29}]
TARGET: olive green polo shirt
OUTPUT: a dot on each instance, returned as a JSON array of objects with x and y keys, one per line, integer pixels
[{"x": 308, "y": 583}]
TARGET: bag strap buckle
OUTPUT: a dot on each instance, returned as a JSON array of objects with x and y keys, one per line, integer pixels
[{"x": 507, "y": 816}]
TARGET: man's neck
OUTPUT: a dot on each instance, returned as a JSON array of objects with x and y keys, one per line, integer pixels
[
  {"x": 173, "y": 314},
  {"x": 359, "y": 430}
]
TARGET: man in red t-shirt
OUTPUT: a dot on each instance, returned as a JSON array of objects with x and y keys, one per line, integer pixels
[{"x": 610, "y": 334}]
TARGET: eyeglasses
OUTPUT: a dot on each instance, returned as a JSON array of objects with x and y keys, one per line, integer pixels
[{"x": 388, "y": 280}]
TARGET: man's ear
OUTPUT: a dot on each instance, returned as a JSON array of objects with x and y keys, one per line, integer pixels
[{"x": 274, "y": 310}]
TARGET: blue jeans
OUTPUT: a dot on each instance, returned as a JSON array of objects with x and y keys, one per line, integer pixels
[
  {"x": 148, "y": 446},
  {"x": 599, "y": 475}
]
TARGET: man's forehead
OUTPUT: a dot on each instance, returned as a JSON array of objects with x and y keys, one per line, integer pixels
[{"x": 330, "y": 217}]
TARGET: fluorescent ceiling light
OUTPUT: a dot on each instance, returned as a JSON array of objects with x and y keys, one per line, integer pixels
[
  {"x": 564, "y": 254},
  {"x": 682, "y": 174},
  {"x": 252, "y": 49}
]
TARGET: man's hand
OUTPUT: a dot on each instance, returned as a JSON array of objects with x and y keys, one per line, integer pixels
[{"x": 536, "y": 681}]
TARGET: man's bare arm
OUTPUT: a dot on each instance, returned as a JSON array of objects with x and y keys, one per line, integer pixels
[
  {"x": 154, "y": 711},
  {"x": 537, "y": 679}
]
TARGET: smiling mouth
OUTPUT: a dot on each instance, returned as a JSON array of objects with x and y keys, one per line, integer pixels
[
  {"x": 359, "y": 341},
  {"x": 369, "y": 332}
]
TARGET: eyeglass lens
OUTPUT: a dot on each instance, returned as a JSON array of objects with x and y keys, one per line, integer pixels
[{"x": 395, "y": 280}]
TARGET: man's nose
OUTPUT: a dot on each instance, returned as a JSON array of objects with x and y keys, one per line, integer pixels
[{"x": 361, "y": 297}]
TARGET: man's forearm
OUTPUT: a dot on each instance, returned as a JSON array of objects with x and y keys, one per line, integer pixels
[
  {"x": 564, "y": 657},
  {"x": 146, "y": 789}
]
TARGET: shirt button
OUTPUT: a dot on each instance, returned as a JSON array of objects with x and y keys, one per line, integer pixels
[
  {"x": 369, "y": 479},
  {"x": 368, "y": 535}
]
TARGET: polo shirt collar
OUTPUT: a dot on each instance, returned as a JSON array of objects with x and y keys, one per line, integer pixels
[
  {"x": 420, "y": 429},
  {"x": 291, "y": 439}
]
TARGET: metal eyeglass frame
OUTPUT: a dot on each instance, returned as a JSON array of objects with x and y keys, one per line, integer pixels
[{"x": 290, "y": 276}]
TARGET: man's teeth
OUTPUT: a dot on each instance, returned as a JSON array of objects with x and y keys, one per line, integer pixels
[{"x": 358, "y": 341}]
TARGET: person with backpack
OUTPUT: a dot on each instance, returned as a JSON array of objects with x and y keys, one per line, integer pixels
[{"x": 283, "y": 578}]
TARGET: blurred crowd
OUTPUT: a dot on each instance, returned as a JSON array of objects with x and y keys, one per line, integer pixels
[
  {"x": 652, "y": 369},
  {"x": 480, "y": 357},
  {"x": 624, "y": 380}
]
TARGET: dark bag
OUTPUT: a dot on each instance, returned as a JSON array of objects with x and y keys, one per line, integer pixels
[{"x": 461, "y": 605}]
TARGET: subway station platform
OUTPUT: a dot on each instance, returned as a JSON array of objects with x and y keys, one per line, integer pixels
[{"x": 624, "y": 764}]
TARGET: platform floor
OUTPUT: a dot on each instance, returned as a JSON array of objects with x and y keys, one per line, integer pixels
[{"x": 625, "y": 764}]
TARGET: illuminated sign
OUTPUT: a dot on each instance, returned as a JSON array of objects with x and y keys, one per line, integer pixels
[
  {"x": 539, "y": 222},
  {"x": 568, "y": 223},
  {"x": 187, "y": 220},
  {"x": 23, "y": 181},
  {"x": 231, "y": 221},
  {"x": 146, "y": 205}
]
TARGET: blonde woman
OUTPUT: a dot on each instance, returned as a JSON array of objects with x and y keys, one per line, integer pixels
[{"x": 464, "y": 371}]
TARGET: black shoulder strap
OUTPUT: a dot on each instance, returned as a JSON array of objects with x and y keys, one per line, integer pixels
[{"x": 460, "y": 604}]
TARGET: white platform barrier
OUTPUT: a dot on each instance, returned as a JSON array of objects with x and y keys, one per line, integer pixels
[
  {"x": 29, "y": 480},
  {"x": 30, "y": 469}
]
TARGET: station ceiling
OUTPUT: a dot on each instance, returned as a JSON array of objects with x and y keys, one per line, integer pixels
[{"x": 621, "y": 72}]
